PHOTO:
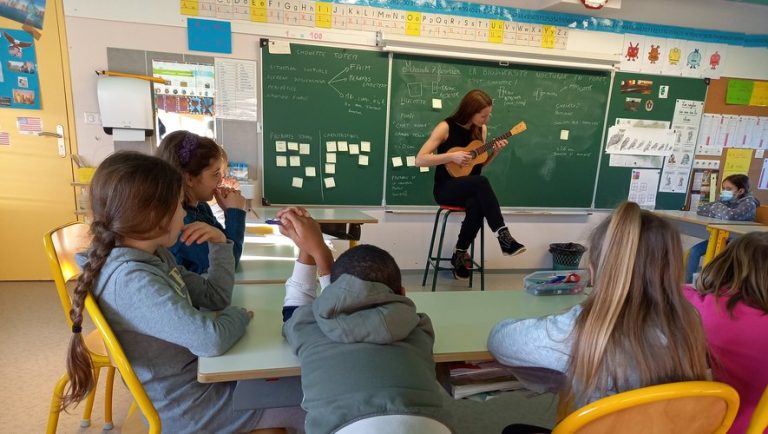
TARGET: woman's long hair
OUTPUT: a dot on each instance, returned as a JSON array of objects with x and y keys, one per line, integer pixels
[
  {"x": 740, "y": 273},
  {"x": 636, "y": 328},
  {"x": 132, "y": 196},
  {"x": 473, "y": 102}
]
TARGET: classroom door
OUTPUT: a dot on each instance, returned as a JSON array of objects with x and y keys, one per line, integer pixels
[{"x": 35, "y": 170}]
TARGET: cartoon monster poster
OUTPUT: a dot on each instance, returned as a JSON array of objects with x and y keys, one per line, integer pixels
[
  {"x": 19, "y": 82},
  {"x": 29, "y": 12}
]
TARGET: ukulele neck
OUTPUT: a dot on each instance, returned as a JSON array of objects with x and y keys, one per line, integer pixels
[{"x": 488, "y": 146}]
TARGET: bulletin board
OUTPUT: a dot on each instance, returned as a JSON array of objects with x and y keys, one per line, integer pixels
[{"x": 715, "y": 103}]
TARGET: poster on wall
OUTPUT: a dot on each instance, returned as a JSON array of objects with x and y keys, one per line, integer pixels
[
  {"x": 19, "y": 83},
  {"x": 189, "y": 87},
  {"x": 29, "y": 12}
]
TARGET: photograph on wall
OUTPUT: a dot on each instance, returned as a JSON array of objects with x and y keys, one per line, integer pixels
[
  {"x": 19, "y": 83},
  {"x": 29, "y": 12}
]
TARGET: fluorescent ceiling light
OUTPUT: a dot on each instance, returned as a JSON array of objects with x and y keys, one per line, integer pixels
[{"x": 494, "y": 52}]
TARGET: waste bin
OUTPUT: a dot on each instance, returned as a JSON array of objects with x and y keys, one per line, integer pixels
[{"x": 566, "y": 256}]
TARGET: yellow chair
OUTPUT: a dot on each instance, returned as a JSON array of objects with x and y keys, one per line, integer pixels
[
  {"x": 761, "y": 216},
  {"x": 133, "y": 422},
  {"x": 61, "y": 245},
  {"x": 759, "y": 422},
  {"x": 691, "y": 407}
]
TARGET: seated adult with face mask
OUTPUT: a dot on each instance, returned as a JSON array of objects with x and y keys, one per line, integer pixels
[{"x": 736, "y": 203}]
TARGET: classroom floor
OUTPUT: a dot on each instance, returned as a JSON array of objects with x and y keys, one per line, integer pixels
[{"x": 34, "y": 342}]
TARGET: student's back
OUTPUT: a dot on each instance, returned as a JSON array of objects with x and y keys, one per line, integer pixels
[{"x": 732, "y": 298}]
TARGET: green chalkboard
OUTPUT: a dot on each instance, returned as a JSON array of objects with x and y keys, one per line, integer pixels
[
  {"x": 538, "y": 168},
  {"x": 313, "y": 96},
  {"x": 632, "y": 101}
]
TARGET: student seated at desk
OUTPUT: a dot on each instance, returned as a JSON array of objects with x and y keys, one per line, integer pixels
[
  {"x": 363, "y": 349},
  {"x": 736, "y": 203},
  {"x": 732, "y": 298},
  {"x": 199, "y": 160},
  {"x": 635, "y": 328},
  {"x": 149, "y": 300}
]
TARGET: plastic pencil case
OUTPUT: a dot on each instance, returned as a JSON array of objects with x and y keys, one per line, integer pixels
[{"x": 556, "y": 282}]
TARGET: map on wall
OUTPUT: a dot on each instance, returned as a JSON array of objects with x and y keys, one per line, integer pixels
[
  {"x": 24, "y": 11},
  {"x": 19, "y": 83}
]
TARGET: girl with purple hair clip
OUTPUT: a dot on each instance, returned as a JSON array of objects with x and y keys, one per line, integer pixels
[{"x": 199, "y": 160}]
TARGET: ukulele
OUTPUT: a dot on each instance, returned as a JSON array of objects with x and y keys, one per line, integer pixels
[{"x": 479, "y": 152}]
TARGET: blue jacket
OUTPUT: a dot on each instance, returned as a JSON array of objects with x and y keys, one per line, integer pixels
[{"x": 195, "y": 257}]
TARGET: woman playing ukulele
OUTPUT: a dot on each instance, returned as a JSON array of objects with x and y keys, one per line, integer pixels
[{"x": 472, "y": 192}]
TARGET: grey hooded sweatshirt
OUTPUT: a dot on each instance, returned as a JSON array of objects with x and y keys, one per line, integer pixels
[
  {"x": 364, "y": 352},
  {"x": 148, "y": 301}
]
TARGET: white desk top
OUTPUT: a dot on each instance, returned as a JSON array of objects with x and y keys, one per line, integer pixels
[
  {"x": 462, "y": 321},
  {"x": 741, "y": 229},
  {"x": 322, "y": 215},
  {"x": 692, "y": 217}
]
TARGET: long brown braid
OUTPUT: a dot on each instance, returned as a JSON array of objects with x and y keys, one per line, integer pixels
[{"x": 132, "y": 196}]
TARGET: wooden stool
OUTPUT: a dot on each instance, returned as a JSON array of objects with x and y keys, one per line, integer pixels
[{"x": 434, "y": 259}]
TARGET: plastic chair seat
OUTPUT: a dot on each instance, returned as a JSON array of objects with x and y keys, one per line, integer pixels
[{"x": 434, "y": 257}]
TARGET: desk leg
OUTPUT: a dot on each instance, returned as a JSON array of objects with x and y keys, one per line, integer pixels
[
  {"x": 352, "y": 243},
  {"x": 711, "y": 245}
]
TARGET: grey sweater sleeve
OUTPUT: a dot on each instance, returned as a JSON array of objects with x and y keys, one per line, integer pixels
[
  {"x": 743, "y": 210},
  {"x": 537, "y": 342},
  {"x": 213, "y": 290},
  {"x": 154, "y": 308}
]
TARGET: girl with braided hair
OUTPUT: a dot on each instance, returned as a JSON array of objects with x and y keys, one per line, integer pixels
[
  {"x": 149, "y": 300},
  {"x": 199, "y": 161}
]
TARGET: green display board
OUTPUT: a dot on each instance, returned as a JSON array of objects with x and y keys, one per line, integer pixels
[
  {"x": 540, "y": 167},
  {"x": 315, "y": 97},
  {"x": 643, "y": 101}
]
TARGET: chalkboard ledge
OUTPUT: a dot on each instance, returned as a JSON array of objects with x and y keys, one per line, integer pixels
[{"x": 506, "y": 211}]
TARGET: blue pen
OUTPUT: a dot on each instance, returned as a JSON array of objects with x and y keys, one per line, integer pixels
[{"x": 273, "y": 222}]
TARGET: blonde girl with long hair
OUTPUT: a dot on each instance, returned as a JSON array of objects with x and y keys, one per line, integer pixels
[
  {"x": 732, "y": 297},
  {"x": 635, "y": 328},
  {"x": 149, "y": 300}
]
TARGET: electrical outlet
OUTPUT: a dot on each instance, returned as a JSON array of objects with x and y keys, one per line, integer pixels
[{"x": 92, "y": 118}]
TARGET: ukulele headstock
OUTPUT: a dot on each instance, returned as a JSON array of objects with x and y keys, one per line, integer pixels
[{"x": 519, "y": 128}]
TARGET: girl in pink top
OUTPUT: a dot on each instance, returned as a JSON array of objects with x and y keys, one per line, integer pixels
[{"x": 732, "y": 297}]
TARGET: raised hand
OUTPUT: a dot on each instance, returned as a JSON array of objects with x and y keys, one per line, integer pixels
[{"x": 199, "y": 232}]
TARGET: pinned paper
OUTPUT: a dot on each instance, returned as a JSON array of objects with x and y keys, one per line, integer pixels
[
  {"x": 437, "y": 104},
  {"x": 354, "y": 149},
  {"x": 564, "y": 134},
  {"x": 362, "y": 160},
  {"x": 737, "y": 161},
  {"x": 295, "y": 161},
  {"x": 281, "y": 161},
  {"x": 343, "y": 147},
  {"x": 329, "y": 183},
  {"x": 280, "y": 146},
  {"x": 293, "y": 146},
  {"x": 209, "y": 35},
  {"x": 304, "y": 149},
  {"x": 410, "y": 161},
  {"x": 297, "y": 182},
  {"x": 330, "y": 146},
  {"x": 330, "y": 157},
  {"x": 365, "y": 146},
  {"x": 330, "y": 169},
  {"x": 310, "y": 171},
  {"x": 279, "y": 47},
  {"x": 397, "y": 161},
  {"x": 423, "y": 169}
]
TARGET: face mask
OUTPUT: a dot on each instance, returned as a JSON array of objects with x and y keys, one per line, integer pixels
[{"x": 726, "y": 196}]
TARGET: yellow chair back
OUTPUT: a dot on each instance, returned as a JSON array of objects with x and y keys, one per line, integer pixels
[
  {"x": 692, "y": 407},
  {"x": 759, "y": 422},
  {"x": 762, "y": 214},
  {"x": 61, "y": 246},
  {"x": 121, "y": 362}
]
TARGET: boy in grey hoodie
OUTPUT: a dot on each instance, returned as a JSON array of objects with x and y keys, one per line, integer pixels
[{"x": 363, "y": 349}]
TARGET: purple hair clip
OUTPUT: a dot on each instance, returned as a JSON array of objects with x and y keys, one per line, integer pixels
[{"x": 187, "y": 148}]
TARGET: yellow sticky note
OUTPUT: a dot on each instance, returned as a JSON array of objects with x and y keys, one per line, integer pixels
[
  {"x": 423, "y": 169},
  {"x": 496, "y": 31},
  {"x": 280, "y": 146},
  {"x": 410, "y": 161},
  {"x": 295, "y": 161},
  {"x": 189, "y": 7},
  {"x": 293, "y": 146},
  {"x": 330, "y": 169},
  {"x": 297, "y": 182},
  {"x": 309, "y": 172},
  {"x": 304, "y": 148},
  {"x": 343, "y": 147},
  {"x": 329, "y": 182},
  {"x": 362, "y": 160},
  {"x": 397, "y": 161},
  {"x": 737, "y": 161},
  {"x": 365, "y": 146},
  {"x": 330, "y": 157},
  {"x": 330, "y": 146},
  {"x": 413, "y": 23},
  {"x": 548, "y": 34},
  {"x": 759, "y": 94},
  {"x": 323, "y": 15},
  {"x": 354, "y": 149},
  {"x": 281, "y": 161}
]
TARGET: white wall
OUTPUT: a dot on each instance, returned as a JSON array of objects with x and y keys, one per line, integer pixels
[{"x": 94, "y": 25}]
